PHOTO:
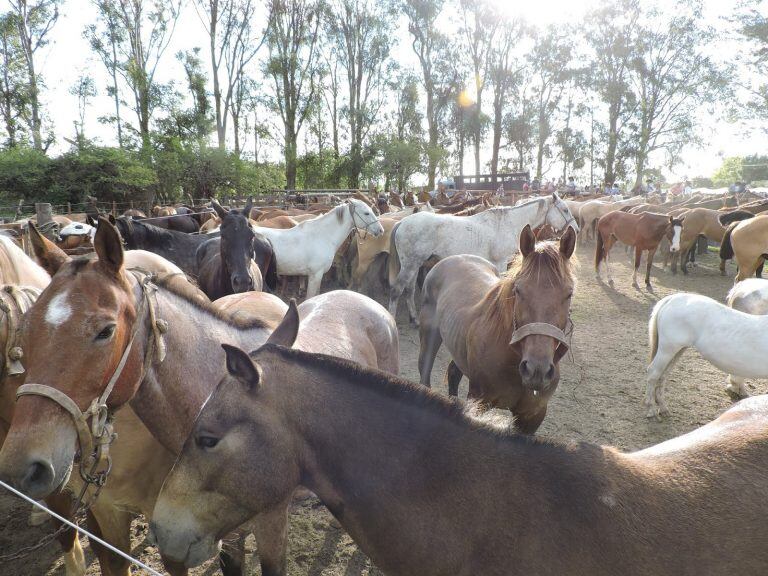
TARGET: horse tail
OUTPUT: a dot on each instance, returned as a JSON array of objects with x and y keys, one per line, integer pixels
[
  {"x": 726, "y": 247},
  {"x": 653, "y": 328},
  {"x": 598, "y": 249},
  {"x": 593, "y": 225},
  {"x": 270, "y": 274},
  {"x": 735, "y": 216},
  {"x": 394, "y": 259}
]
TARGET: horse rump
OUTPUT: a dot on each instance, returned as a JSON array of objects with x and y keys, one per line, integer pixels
[{"x": 726, "y": 248}]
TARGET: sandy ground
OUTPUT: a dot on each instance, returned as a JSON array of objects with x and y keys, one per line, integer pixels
[{"x": 599, "y": 399}]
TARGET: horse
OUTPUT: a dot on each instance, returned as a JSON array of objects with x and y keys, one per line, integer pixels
[
  {"x": 698, "y": 222},
  {"x": 368, "y": 249},
  {"x": 733, "y": 341},
  {"x": 250, "y": 305},
  {"x": 506, "y": 335},
  {"x": 134, "y": 213},
  {"x": 18, "y": 268},
  {"x": 750, "y": 296},
  {"x": 226, "y": 264},
  {"x": 593, "y": 210},
  {"x": 280, "y": 418},
  {"x": 281, "y": 222},
  {"x": 308, "y": 249},
  {"x": 643, "y": 231},
  {"x": 747, "y": 242},
  {"x": 76, "y": 234},
  {"x": 492, "y": 234},
  {"x": 97, "y": 311}
]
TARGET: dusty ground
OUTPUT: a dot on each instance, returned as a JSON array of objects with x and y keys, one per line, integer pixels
[{"x": 599, "y": 400}]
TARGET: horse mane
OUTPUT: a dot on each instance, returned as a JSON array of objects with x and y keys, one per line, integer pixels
[
  {"x": 545, "y": 263},
  {"x": 18, "y": 268},
  {"x": 154, "y": 233},
  {"x": 464, "y": 414},
  {"x": 187, "y": 292}
]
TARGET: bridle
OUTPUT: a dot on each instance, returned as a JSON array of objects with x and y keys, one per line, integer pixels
[
  {"x": 14, "y": 302},
  {"x": 357, "y": 228},
  {"x": 566, "y": 214},
  {"x": 96, "y": 436},
  {"x": 561, "y": 336}
]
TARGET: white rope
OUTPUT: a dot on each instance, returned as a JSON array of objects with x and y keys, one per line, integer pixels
[{"x": 76, "y": 527}]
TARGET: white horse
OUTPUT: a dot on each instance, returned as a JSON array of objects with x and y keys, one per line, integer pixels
[
  {"x": 308, "y": 248},
  {"x": 492, "y": 234},
  {"x": 733, "y": 341},
  {"x": 750, "y": 296}
]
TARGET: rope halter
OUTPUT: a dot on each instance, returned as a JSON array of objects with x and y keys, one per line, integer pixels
[{"x": 561, "y": 336}]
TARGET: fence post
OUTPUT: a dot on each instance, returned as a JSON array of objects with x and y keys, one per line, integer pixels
[
  {"x": 69, "y": 208},
  {"x": 44, "y": 213}
]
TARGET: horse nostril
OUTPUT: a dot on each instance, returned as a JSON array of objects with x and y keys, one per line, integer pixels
[
  {"x": 38, "y": 478},
  {"x": 524, "y": 371},
  {"x": 550, "y": 373}
]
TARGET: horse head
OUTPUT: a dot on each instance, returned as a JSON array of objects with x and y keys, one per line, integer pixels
[
  {"x": 237, "y": 249},
  {"x": 363, "y": 218},
  {"x": 559, "y": 214},
  {"x": 674, "y": 233}
]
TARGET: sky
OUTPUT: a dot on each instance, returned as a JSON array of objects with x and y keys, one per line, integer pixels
[{"x": 68, "y": 56}]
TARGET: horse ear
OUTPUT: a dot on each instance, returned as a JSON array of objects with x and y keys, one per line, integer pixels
[
  {"x": 108, "y": 246},
  {"x": 90, "y": 221},
  {"x": 240, "y": 366},
  {"x": 248, "y": 207},
  {"x": 527, "y": 241},
  {"x": 568, "y": 242},
  {"x": 50, "y": 256},
  {"x": 220, "y": 210},
  {"x": 112, "y": 220},
  {"x": 285, "y": 334}
]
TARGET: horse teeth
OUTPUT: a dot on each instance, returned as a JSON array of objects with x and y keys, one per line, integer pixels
[{"x": 535, "y": 392}]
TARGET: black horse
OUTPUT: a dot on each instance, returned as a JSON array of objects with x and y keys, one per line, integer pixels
[{"x": 227, "y": 264}]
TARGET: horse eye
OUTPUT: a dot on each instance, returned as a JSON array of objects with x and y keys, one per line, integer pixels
[
  {"x": 206, "y": 442},
  {"x": 106, "y": 333}
]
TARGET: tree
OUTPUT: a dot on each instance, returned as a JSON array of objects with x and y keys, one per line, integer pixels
[
  {"x": 505, "y": 72},
  {"x": 292, "y": 38},
  {"x": 433, "y": 50},
  {"x": 752, "y": 26},
  {"x": 104, "y": 40},
  {"x": 83, "y": 89},
  {"x": 14, "y": 93},
  {"x": 362, "y": 32},
  {"x": 232, "y": 41},
  {"x": 402, "y": 149},
  {"x": 520, "y": 124},
  {"x": 611, "y": 32},
  {"x": 672, "y": 76},
  {"x": 34, "y": 21},
  {"x": 480, "y": 24},
  {"x": 198, "y": 119},
  {"x": 550, "y": 61}
]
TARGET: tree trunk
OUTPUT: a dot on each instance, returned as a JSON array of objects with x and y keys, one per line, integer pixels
[
  {"x": 215, "y": 74},
  {"x": 433, "y": 138},
  {"x": 236, "y": 129},
  {"x": 613, "y": 137},
  {"x": 290, "y": 159},
  {"x": 478, "y": 112},
  {"x": 497, "y": 121}
]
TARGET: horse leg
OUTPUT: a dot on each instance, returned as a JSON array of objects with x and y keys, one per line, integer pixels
[
  {"x": 528, "y": 423},
  {"x": 405, "y": 283},
  {"x": 271, "y": 532},
  {"x": 313, "y": 284},
  {"x": 430, "y": 340},
  {"x": 722, "y": 267},
  {"x": 651, "y": 252},
  {"x": 232, "y": 556},
  {"x": 638, "y": 257},
  {"x": 74, "y": 559},
  {"x": 606, "y": 250},
  {"x": 736, "y": 386},
  {"x": 410, "y": 300},
  {"x": 453, "y": 377},
  {"x": 663, "y": 361},
  {"x": 113, "y": 526}
]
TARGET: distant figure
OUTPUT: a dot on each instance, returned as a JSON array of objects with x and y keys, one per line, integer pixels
[
  {"x": 570, "y": 188},
  {"x": 649, "y": 187},
  {"x": 526, "y": 187},
  {"x": 615, "y": 190}
]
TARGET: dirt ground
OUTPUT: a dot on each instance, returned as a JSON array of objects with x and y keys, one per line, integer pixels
[{"x": 599, "y": 400}]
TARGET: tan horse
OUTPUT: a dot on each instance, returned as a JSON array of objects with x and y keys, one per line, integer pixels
[
  {"x": 93, "y": 309},
  {"x": 250, "y": 305},
  {"x": 505, "y": 335},
  {"x": 18, "y": 268},
  {"x": 747, "y": 242},
  {"x": 281, "y": 222},
  {"x": 698, "y": 222},
  {"x": 425, "y": 487},
  {"x": 368, "y": 248}
]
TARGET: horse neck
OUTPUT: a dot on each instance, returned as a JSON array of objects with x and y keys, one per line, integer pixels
[
  {"x": 400, "y": 432},
  {"x": 168, "y": 399},
  {"x": 328, "y": 226},
  {"x": 515, "y": 218}
]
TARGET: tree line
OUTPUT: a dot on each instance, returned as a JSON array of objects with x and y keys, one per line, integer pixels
[{"x": 323, "y": 81}]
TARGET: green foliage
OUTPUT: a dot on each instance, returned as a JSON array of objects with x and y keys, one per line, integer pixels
[
  {"x": 24, "y": 174},
  {"x": 729, "y": 172}
]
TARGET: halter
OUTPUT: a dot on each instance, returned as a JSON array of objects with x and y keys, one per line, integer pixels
[
  {"x": 568, "y": 218},
  {"x": 563, "y": 337},
  {"x": 356, "y": 228},
  {"x": 95, "y": 438}
]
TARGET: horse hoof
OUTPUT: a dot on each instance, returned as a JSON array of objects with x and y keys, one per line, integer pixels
[
  {"x": 652, "y": 413},
  {"x": 649, "y": 287},
  {"x": 663, "y": 412},
  {"x": 610, "y": 283},
  {"x": 736, "y": 394}
]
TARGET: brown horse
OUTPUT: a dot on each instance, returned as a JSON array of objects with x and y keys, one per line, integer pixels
[
  {"x": 425, "y": 487},
  {"x": 698, "y": 222},
  {"x": 747, "y": 242},
  {"x": 281, "y": 222},
  {"x": 643, "y": 231},
  {"x": 505, "y": 335},
  {"x": 96, "y": 311}
]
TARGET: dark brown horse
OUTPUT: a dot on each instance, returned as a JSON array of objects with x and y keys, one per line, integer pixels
[
  {"x": 642, "y": 231},
  {"x": 226, "y": 264},
  {"x": 505, "y": 335},
  {"x": 425, "y": 488}
]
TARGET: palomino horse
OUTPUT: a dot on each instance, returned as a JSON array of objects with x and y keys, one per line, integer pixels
[
  {"x": 250, "y": 305},
  {"x": 130, "y": 336},
  {"x": 492, "y": 234},
  {"x": 733, "y": 341},
  {"x": 281, "y": 418},
  {"x": 226, "y": 264},
  {"x": 643, "y": 231},
  {"x": 747, "y": 242},
  {"x": 505, "y": 335},
  {"x": 367, "y": 251},
  {"x": 18, "y": 268},
  {"x": 698, "y": 222},
  {"x": 308, "y": 249}
]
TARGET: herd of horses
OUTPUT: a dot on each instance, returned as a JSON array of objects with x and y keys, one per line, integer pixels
[{"x": 202, "y": 400}]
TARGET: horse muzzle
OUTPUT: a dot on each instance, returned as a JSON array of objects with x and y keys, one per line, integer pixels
[
  {"x": 241, "y": 283},
  {"x": 182, "y": 545},
  {"x": 537, "y": 376}
]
